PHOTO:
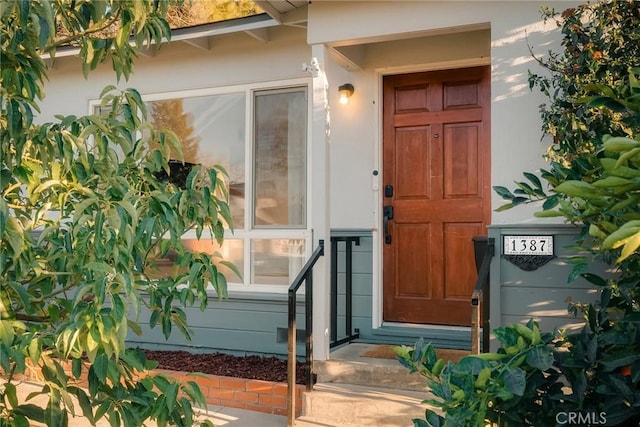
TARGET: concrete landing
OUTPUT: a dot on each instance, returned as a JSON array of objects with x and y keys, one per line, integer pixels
[
  {"x": 348, "y": 366},
  {"x": 358, "y": 391}
]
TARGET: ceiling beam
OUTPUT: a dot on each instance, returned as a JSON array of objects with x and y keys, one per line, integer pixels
[
  {"x": 270, "y": 9},
  {"x": 296, "y": 17},
  {"x": 260, "y": 34},
  {"x": 148, "y": 51},
  {"x": 350, "y": 58},
  {"x": 200, "y": 43}
]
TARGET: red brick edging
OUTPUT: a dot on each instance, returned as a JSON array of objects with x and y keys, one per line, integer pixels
[{"x": 255, "y": 395}]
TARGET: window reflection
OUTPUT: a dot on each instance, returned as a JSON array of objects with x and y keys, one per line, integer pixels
[
  {"x": 276, "y": 261},
  {"x": 231, "y": 251},
  {"x": 216, "y": 129},
  {"x": 212, "y": 131},
  {"x": 280, "y": 151}
]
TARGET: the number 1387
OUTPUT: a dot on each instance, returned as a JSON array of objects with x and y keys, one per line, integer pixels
[{"x": 528, "y": 245}]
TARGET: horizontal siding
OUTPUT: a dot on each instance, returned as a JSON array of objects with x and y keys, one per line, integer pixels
[
  {"x": 551, "y": 275},
  {"x": 362, "y": 284},
  {"x": 552, "y": 303},
  {"x": 363, "y": 305},
  {"x": 231, "y": 325},
  {"x": 548, "y": 323},
  {"x": 249, "y": 323},
  {"x": 209, "y": 340},
  {"x": 545, "y": 293}
]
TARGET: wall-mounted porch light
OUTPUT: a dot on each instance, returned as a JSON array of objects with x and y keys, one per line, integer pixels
[{"x": 345, "y": 91}]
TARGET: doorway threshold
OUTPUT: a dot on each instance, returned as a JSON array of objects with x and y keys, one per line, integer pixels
[
  {"x": 425, "y": 326},
  {"x": 442, "y": 336}
]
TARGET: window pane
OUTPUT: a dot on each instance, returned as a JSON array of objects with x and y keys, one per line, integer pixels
[
  {"x": 212, "y": 131},
  {"x": 280, "y": 158},
  {"x": 231, "y": 251},
  {"x": 276, "y": 261}
]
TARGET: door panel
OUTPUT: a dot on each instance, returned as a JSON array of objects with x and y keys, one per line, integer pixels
[
  {"x": 412, "y": 149},
  {"x": 436, "y": 156},
  {"x": 458, "y": 274},
  {"x": 411, "y": 274},
  {"x": 461, "y": 160}
]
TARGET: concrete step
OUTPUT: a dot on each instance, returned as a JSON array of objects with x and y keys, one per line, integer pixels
[
  {"x": 348, "y": 405},
  {"x": 347, "y": 366},
  {"x": 317, "y": 422}
]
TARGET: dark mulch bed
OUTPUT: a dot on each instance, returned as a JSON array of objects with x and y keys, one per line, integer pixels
[{"x": 250, "y": 367}]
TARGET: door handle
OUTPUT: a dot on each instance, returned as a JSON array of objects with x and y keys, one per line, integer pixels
[{"x": 387, "y": 212}]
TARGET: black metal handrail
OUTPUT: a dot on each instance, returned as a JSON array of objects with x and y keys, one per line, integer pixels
[
  {"x": 350, "y": 335},
  {"x": 481, "y": 295},
  {"x": 305, "y": 276}
]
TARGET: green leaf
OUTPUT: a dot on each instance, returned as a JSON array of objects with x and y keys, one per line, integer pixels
[
  {"x": 102, "y": 409},
  {"x": 609, "y": 363},
  {"x": 14, "y": 237},
  {"x": 192, "y": 389},
  {"x": 14, "y": 118},
  {"x": 540, "y": 358},
  {"x": 6, "y": 332},
  {"x": 533, "y": 179},
  {"x": 85, "y": 403},
  {"x": 83, "y": 205},
  {"x": 611, "y": 167},
  {"x": 576, "y": 189},
  {"x": 548, "y": 214},
  {"x": 504, "y": 207},
  {"x": 131, "y": 210},
  {"x": 630, "y": 246},
  {"x": 98, "y": 267},
  {"x": 134, "y": 327},
  {"x": 55, "y": 416},
  {"x": 20, "y": 421},
  {"x": 503, "y": 192},
  {"x": 578, "y": 270},
  {"x": 620, "y": 144},
  {"x": 11, "y": 395},
  {"x": 21, "y": 291},
  {"x": 31, "y": 411},
  {"x": 100, "y": 366},
  {"x": 171, "y": 394},
  {"x": 515, "y": 381},
  {"x": 472, "y": 364},
  {"x": 122, "y": 35},
  {"x": 594, "y": 279},
  {"x": 506, "y": 335},
  {"x": 76, "y": 368},
  {"x": 433, "y": 419},
  {"x": 34, "y": 350},
  {"x": 612, "y": 181}
]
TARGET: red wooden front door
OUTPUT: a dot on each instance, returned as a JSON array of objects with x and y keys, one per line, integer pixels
[{"x": 436, "y": 180}]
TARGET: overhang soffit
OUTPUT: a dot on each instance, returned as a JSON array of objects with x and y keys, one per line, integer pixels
[
  {"x": 286, "y": 12},
  {"x": 203, "y": 36},
  {"x": 352, "y": 54}
]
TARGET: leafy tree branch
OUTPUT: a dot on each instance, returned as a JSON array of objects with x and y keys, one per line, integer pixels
[{"x": 84, "y": 220}]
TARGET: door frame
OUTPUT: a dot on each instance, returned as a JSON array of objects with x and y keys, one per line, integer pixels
[{"x": 377, "y": 240}]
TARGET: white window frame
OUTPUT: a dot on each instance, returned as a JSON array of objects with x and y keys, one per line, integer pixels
[{"x": 249, "y": 232}]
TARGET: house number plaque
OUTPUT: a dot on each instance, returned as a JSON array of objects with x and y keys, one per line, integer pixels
[{"x": 528, "y": 252}]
